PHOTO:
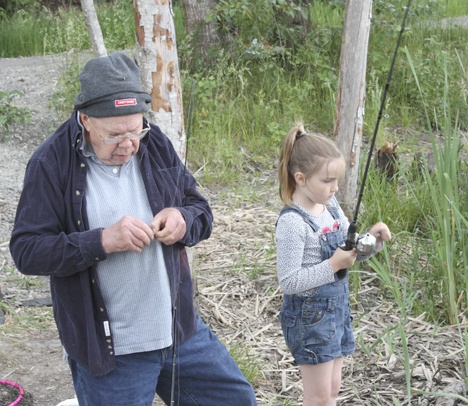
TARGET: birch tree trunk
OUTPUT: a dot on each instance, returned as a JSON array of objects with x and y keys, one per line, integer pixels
[
  {"x": 349, "y": 115},
  {"x": 94, "y": 29},
  {"x": 158, "y": 61}
]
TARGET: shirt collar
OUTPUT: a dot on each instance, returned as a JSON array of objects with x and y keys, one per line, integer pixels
[{"x": 85, "y": 146}]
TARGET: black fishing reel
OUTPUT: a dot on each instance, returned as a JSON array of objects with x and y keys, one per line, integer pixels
[{"x": 363, "y": 243}]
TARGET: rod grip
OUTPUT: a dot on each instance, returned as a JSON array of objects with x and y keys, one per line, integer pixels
[{"x": 348, "y": 245}]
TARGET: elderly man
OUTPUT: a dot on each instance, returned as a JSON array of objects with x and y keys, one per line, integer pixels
[{"x": 106, "y": 211}]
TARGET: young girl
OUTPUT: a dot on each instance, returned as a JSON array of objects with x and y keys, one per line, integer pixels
[{"x": 315, "y": 316}]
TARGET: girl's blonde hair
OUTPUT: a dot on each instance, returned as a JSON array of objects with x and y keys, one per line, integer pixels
[{"x": 302, "y": 152}]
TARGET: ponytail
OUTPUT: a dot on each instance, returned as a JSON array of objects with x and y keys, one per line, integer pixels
[{"x": 287, "y": 183}]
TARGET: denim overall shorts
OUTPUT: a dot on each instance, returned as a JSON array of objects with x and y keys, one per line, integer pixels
[{"x": 317, "y": 327}]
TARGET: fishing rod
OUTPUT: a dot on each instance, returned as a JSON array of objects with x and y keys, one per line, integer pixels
[
  {"x": 174, "y": 316},
  {"x": 366, "y": 243}
]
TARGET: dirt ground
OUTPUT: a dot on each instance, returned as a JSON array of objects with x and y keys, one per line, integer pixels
[
  {"x": 237, "y": 293},
  {"x": 30, "y": 352}
]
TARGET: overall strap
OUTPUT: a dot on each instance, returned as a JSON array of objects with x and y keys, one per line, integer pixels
[
  {"x": 289, "y": 209},
  {"x": 333, "y": 210}
]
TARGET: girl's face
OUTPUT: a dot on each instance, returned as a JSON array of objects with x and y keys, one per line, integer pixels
[{"x": 319, "y": 188}]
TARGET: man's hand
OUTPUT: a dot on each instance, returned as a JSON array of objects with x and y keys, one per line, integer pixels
[
  {"x": 168, "y": 226},
  {"x": 128, "y": 234}
]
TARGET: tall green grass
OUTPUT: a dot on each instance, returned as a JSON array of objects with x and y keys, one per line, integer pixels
[
  {"x": 428, "y": 213},
  {"x": 39, "y": 32},
  {"x": 448, "y": 225},
  {"x": 427, "y": 272}
]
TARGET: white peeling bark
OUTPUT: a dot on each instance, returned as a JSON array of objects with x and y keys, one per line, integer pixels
[
  {"x": 350, "y": 104},
  {"x": 158, "y": 60},
  {"x": 94, "y": 29}
]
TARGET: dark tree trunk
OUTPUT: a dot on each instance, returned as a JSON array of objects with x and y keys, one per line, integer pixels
[{"x": 205, "y": 35}]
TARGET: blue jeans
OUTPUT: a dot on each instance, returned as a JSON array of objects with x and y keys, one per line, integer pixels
[{"x": 205, "y": 375}]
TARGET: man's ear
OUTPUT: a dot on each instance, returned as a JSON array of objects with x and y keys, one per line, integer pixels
[
  {"x": 300, "y": 178},
  {"x": 85, "y": 120}
]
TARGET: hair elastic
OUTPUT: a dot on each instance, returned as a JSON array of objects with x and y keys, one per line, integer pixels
[{"x": 300, "y": 134}]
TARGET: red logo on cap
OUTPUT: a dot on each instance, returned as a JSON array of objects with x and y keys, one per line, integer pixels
[{"x": 126, "y": 102}]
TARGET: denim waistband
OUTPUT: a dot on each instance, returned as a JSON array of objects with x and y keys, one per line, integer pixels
[{"x": 296, "y": 301}]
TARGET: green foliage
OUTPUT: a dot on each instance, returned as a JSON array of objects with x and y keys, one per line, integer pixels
[
  {"x": 10, "y": 114},
  {"x": 268, "y": 21},
  {"x": 9, "y": 7},
  {"x": 68, "y": 86},
  {"x": 45, "y": 31},
  {"x": 248, "y": 364},
  {"x": 439, "y": 229},
  {"x": 431, "y": 45},
  {"x": 449, "y": 224},
  {"x": 117, "y": 24},
  {"x": 275, "y": 85}
]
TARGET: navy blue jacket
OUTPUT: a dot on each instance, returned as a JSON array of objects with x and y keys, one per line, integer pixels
[{"x": 51, "y": 237}]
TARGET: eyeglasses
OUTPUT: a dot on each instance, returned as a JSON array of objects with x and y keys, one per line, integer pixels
[{"x": 117, "y": 139}]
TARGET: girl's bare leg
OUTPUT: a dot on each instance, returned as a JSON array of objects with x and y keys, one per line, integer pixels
[{"x": 321, "y": 383}]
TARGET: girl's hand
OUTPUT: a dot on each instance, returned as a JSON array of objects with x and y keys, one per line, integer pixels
[
  {"x": 342, "y": 259},
  {"x": 381, "y": 232}
]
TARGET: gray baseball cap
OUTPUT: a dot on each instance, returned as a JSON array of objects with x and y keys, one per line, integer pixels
[{"x": 111, "y": 86}]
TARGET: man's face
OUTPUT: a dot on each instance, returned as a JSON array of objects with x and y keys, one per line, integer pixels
[{"x": 99, "y": 131}]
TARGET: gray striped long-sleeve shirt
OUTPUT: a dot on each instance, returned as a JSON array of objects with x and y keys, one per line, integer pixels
[
  {"x": 299, "y": 255},
  {"x": 299, "y": 261}
]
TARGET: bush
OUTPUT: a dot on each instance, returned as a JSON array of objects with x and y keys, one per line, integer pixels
[{"x": 9, "y": 114}]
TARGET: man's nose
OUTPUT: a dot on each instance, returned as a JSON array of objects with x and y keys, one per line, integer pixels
[{"x": 126, "y": 142}]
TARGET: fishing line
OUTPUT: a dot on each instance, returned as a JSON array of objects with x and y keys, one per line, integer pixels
[
  {"x": 380, "y": 114},
  {"x": 175, "y": 313},
  {"x": 352, "y": 237}
]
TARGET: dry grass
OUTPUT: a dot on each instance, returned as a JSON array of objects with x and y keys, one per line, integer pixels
[{"x": 238, "y": 296}]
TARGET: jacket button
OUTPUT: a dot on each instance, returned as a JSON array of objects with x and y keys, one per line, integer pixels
[
  {"x": 78, "y": 222},
  {"x": 111, "y": 352},
  {"x": 101, "y": 309},
  {"x": 82, "y": 165},
  {"x": 78, "y": 193}
]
